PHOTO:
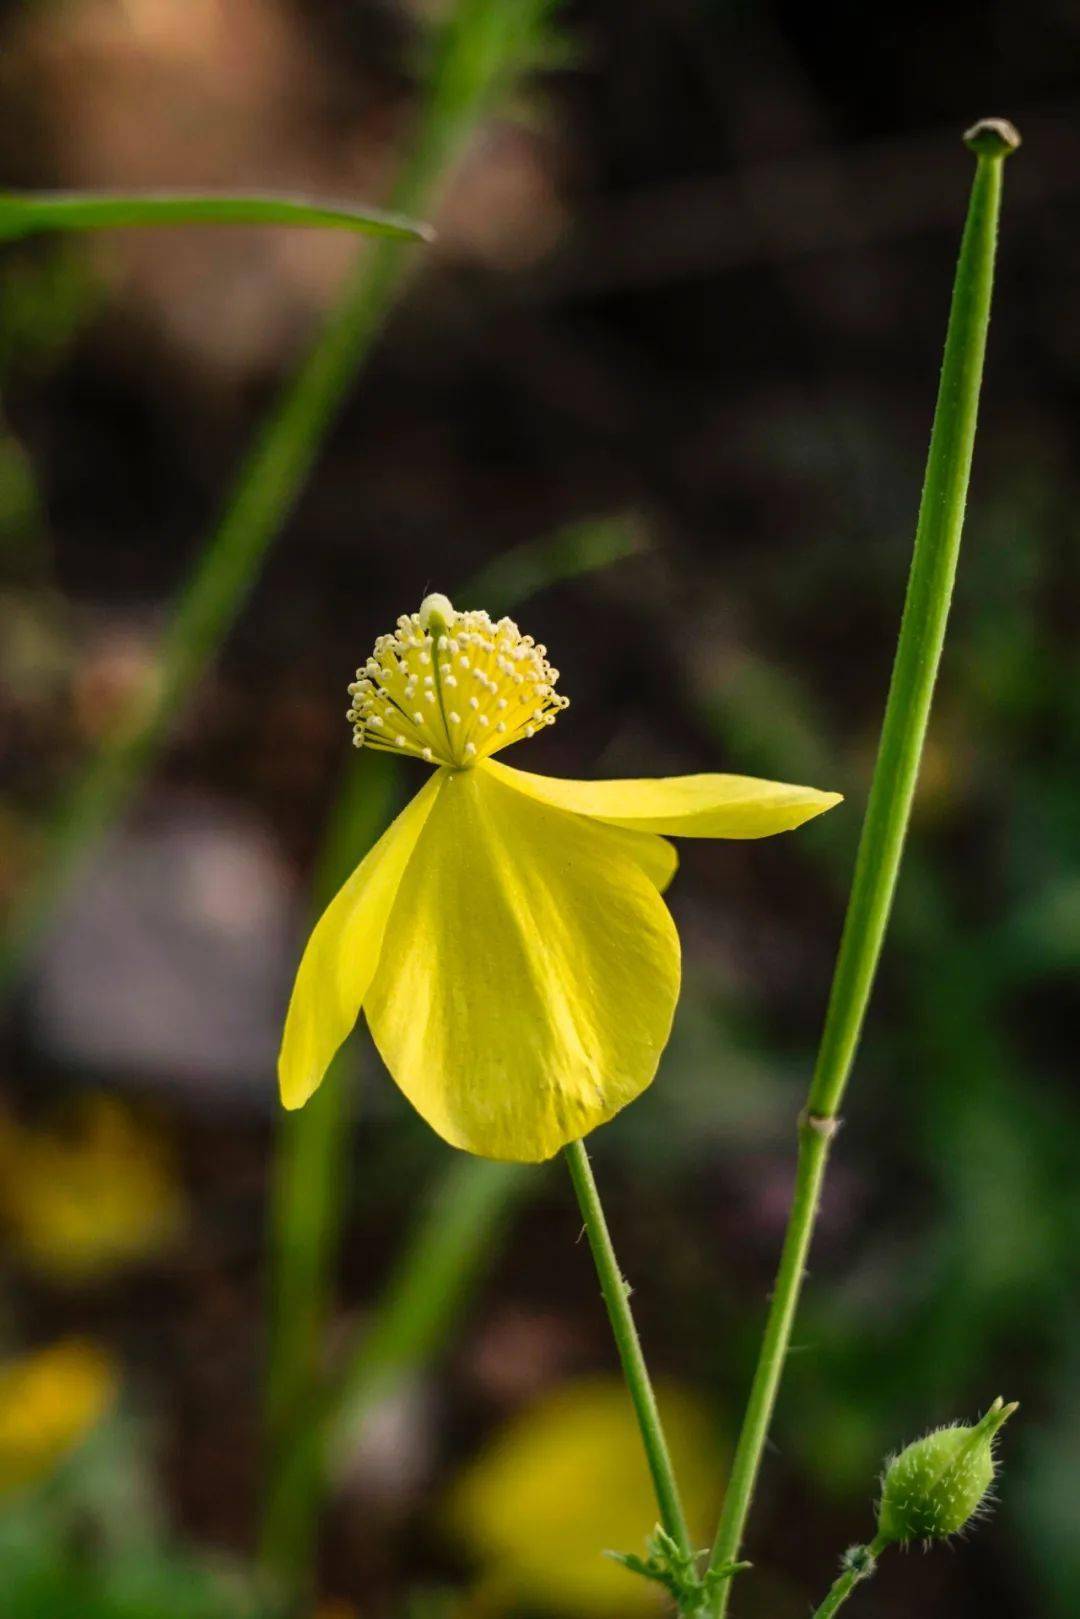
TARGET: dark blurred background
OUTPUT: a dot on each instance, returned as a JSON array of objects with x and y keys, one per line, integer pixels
[{"x": 686, "y": 305}]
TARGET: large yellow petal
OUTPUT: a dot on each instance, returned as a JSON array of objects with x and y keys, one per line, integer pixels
[
  {"x": 343, "y": 953},
  {"x": 681, "y": 806},
  {"x": 529, "y": 973}
]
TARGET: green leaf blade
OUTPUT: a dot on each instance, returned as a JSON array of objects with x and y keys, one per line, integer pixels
[{"x": 32, "y": 212}]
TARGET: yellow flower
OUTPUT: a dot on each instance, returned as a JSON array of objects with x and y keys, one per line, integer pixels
[
  {"x": 506, "y": 936},
  {"x": 565, "y": 1480},
  {"x": 49, "y": 1402},
  {"x": 90, "y": 1197}
]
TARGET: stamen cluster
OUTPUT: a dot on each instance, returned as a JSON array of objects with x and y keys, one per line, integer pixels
[{"x": 452, "y": 688}]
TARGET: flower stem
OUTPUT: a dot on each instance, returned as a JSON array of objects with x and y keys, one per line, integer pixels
[
  {"x": 922, "y": 634},
  {"x": 303, "y": 1408},
  {"x": 616, "y": 1293},
  {"x": 852, "y": 1576}
]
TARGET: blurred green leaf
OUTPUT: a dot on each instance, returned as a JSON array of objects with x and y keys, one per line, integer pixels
[
  {"x": 43, "y": 1577},
  {"x": 579, "y": 548},
  {"x": 46, "y": 299},
  {"x": 92, "y": 1542},
  {"x": 30, "y": 212}
]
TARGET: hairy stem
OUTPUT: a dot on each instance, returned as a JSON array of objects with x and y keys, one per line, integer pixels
[
  {"x": 615, "y": 1290},
  {"x": 918, "y": 654}
]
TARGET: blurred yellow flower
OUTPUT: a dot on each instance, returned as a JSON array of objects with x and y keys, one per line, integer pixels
[
  {"x": 566, "y": 1478},
  {"x": 506, "y": 936},
  {"x": 49, "y": 1402},
  {"x": 90, "y": 1197}
]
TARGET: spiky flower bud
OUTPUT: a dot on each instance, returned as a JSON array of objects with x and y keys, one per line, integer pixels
[{"x": 936, "y": 1485}]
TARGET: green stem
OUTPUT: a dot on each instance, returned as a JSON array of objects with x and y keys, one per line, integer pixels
[
  {"x": 845, "y": 1583},
  {"x": 918, "y": 654},
  {"x": 616, "y": 1294}
]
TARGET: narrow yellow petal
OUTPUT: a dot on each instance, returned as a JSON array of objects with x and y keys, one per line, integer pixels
[
  {"x": 343, "y": 953},
  {"x": 681, "y": 806},
  {"x": 529, "y": 973}
]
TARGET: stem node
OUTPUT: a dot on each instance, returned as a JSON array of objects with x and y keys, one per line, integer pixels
[{"x": 821, "y": 1124}]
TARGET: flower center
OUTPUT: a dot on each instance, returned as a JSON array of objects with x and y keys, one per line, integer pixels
[{"x": 452, "y": 688}]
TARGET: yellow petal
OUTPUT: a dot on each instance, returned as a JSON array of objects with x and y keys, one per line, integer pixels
[
  {"x": 343, "y": 953},
  {"x": 681, "y": 806},
  {"x": 529, "y": 973},
  {"x": 658, "y": 858}
]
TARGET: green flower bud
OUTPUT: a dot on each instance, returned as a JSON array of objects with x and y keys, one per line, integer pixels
[{"x": 935, "y": 1486}]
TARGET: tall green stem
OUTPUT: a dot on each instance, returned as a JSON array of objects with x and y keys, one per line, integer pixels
[
  {"x": 918, "y": 654},
  {"x": 616, "y": 1294}
]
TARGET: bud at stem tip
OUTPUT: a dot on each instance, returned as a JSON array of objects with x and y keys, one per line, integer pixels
[
  {"x": 938, "y": 1484},
  {"x": 992, "y": 137}
]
